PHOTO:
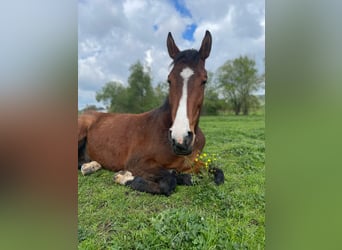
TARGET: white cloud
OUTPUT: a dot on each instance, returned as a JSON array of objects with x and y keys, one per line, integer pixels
[
  {"x": 148, "y": 58},
  {"x": 113, "y": 35},
  {"x": 131, "y": 8}
]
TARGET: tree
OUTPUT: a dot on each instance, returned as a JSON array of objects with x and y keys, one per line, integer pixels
[
  {"x": 137, "y": 97},
  {"x": 238, "y": 79},
  {"x": 212, "y": 104},
  {"x": 161, "y": 91},
  {"x": 114, "y": 96},
  {"x": 140, "y": 93},
  {"x": 91, "y": 107}
]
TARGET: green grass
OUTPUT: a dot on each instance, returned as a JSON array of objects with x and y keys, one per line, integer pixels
[{"x": 203, "y": 216}]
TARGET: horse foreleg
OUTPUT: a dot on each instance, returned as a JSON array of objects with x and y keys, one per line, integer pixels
[
  {"x": 90, "y": 167},
  {"x": 198, "y": 166},
  {"x": 164, "y": 183},
  {"x": 218, "y": 175},
  {"x": 184, "y": 179}
]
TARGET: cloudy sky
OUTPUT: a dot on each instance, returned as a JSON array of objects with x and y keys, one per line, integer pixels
[{"x": 113, "y": 35}]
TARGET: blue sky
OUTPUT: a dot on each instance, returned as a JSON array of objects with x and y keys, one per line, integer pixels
[
  {"x": 116, "y": 34},
  {"x": 181, "y": 8},
  {"x": 188, "y": 33}
]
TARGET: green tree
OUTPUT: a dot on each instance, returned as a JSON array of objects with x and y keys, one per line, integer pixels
[
  {"x": 212, "y": 103},
  {"x": 91, "y": 107},
  {"x": 238, "y": 79},
  {"x": 114, "y": 96},
  {"x": 137, "y": 97},
  {"x": 140, "y": 92},
  {"x": 161, "y": 91}
]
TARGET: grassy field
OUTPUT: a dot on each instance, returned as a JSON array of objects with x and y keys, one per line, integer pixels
[{"x": 203, "y": 216}]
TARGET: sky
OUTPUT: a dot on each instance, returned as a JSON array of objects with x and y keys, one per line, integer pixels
[{"x": 113, "y": 35}]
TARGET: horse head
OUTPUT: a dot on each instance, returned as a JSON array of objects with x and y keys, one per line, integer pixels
[{"x": 186, "y": 92}]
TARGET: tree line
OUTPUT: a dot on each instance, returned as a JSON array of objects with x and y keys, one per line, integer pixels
[{"x": 228, "y": 90}]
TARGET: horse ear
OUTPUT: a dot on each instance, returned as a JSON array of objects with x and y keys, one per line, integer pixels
[
  {"x": 206, "y": 46},
  {"x": 171, "y": 46}
]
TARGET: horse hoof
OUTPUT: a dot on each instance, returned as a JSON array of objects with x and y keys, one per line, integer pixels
[
  {"x": 90, "y": 167},
  {"x": 122, "y": 177},
  {"x": 218, "y": 176}
]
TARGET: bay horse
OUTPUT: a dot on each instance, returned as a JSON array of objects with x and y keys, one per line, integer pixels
[{"x": 156, "y": 150}]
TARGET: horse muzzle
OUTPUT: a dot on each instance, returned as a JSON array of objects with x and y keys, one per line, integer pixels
[{"x": 182, "y": 146}]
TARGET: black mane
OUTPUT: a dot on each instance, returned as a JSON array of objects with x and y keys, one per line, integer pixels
[
  {"x": 190, "y": 56},
  {"x": 166, "y": 104}
]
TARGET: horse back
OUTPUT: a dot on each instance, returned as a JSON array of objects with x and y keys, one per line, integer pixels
[{"x": 85, "y": 121}]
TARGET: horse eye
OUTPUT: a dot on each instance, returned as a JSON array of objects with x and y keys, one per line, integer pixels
[
  {"x": 204, "y": 82},
  {"x": 169, "y": 82}
]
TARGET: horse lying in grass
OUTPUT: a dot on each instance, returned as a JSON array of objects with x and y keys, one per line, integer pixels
[{"x": 156, "y": 150}]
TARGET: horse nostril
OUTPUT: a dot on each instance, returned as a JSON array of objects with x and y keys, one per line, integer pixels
[{"x": 189, "y": 137}]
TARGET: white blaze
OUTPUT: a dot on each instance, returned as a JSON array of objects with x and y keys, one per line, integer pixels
[{"x": 181, "y": 127}]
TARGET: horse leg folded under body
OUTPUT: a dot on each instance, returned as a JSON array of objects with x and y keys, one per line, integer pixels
[
  {"x": 82, "y": 152},
  {"x": 184, "y": 179},
  {"x": 90, "y": 167},
  {"x": 163, "y": 182}
]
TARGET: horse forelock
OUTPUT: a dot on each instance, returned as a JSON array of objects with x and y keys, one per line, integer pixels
[{"x": 190, "y": 57}]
